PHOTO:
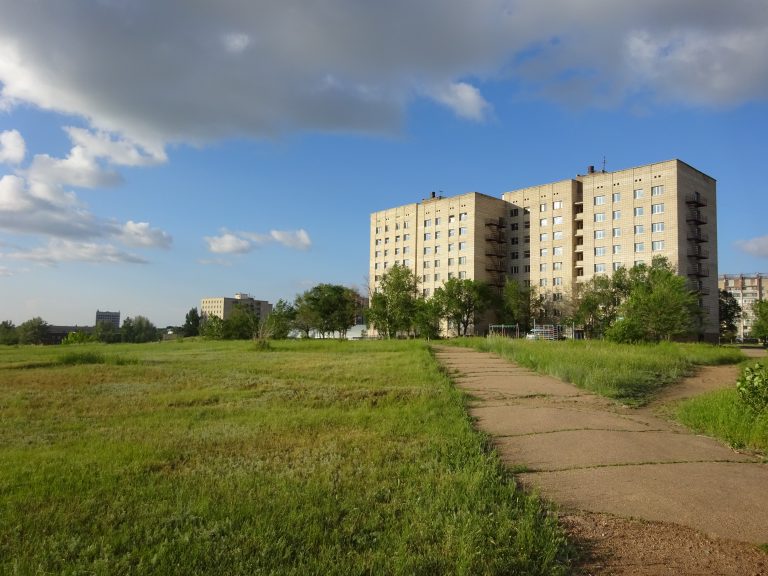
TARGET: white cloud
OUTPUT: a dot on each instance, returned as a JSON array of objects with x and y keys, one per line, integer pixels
[
  {"x": 117, "y": 151},
  {"x": 755, "y": 246},
  {"x": 141, "y": 234},
  {"x": 242, "y": 242},
  {"x": 214, "y": 262},
  {"x": 236, "y": 42},
  {"x": 78, "y": 169},
  {"x": 227, "y": 243},
  {"x": 12, "y": 147},
  {"x": 58, "y": 250},
  {"x": 464, "y": 99}
]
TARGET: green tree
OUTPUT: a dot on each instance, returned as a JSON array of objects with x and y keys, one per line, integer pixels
[
  {"x": 128, "y": 332},
  {"x": 139, "y": 329},
  {"x": 760, "y": 324},
  {"x": 394, "y": 303},
  {"x": 517, "y": 304},
  {"x": 105, "y": 332},
  {"x": 33, "y": 331},
  {"x": 242, "y": 324},
  {"x": 212, "y": 328},
  {"x": 191, "y": 323},
  {"x": 597, "y": 303},
  {"x": 79, "y": 337},
  {"x": 306, "y": 318},
  {"x": 8, "y": 333},
  {"x": 280, "y": 320},
  {"x": 730, "y": 313},
  {"x": 462, "y": 301},
  {"x": 426, "y": 318},
  {"x": 659, "y": 305}
]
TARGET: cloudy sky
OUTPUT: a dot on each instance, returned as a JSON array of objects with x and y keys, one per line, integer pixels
[{"x": 153, "y": 152}]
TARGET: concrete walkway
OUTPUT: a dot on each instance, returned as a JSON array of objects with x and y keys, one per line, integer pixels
[{"x": 589, "y": 453}]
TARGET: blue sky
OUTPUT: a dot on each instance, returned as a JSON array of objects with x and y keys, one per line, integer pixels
[{"x": 154, "y": 153}]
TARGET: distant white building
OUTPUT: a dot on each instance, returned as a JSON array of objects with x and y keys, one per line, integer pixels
[
  {"x": 223, "y": 306},
  {"x": 110, "y": 317}
]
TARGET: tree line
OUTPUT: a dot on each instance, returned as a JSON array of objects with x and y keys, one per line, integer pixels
[{"x": 36, "y": 331}]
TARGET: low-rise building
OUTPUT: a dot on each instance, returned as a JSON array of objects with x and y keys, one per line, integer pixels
[{"x": 222, "y": 306}]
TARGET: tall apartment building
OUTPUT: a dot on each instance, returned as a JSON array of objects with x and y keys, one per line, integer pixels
[
  {"x": 112, "y": 317},
  {"x": 558, "y": 234},
  {"x": 223, "y": 307},
  {"x": 747, "y": 289}
]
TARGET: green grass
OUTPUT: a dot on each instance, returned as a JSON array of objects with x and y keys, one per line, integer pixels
[
  {"x": 628, "y": 373},
  {"x": 217, "y": 458},
  {"x": 723, "y": 415}
]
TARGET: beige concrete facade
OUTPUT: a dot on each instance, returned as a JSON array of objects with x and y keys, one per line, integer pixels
[
  {"x": 555, "y": 235},
  {"x": 223, "y": 306},
  {"x": 747, "y": 289}
]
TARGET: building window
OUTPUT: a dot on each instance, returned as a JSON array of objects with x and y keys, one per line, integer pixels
[
  {"x": 386, "y": 253},
  {"x": 406, "y": 262},
  {"x": 375, "y": 265},
  {"x": 637, "y": 194},
  {"x": 462, "y": 259},
  {"x": 514, "y": 211},
  {"x": 527, "y": 254},
  {"x": 385, "y": 264},
  {"x": 617, "y": 232},
  {"x": 617, "y": 248},
  {"x": 377, "y": 253},
  {"x": 514, "y": 226},
  {"x": 543, "y": 237},
  {"x": 617, "y": 265},
  {"x": 451, "y": 261},
  {"x": 639, "y": 229},
  {"x": 542, "y": 267},
  {"x": 600, "y": 217},
  {"x": 639, "y": 246},
  {"x": 514, "y": 240},
  {"x": 406, "y": 225},
  {"x": 437, "y": 263},
  {"x": 542, "y": 207},
  {"x": 427, "y": 235},
  {"x": 557, "y": 251},
  {"x": 426, "y": 264},
  {"x": 386, "y": 240},
  {"x": 616, "y": 197},
  {"x": 542, "y": 281},
  {"x": 451, "y": 232},
  {"x": 543, "y": 252},
  {"x": 639, "y": 262},
  {"x": 378, "y": 242},
  {"x": 657, "y": 227},
  {"x": 557, "y": 281},
  {"x": 437, "y": 234},
  {"x": 462, "y": 275},
  {"x": 657, "y": 190},
  {"x": 616, "y": 214},
  {"x": 543, "y": 222},
  {"x": 599, "y": 200},
  {"x": 599, "y": 234},
  {"x": 451, "y": 219},
  {"x": 526, "y": 224},
  {"x": 657, "y": 208},
  {"x": 657, "y": 245},
  {"x": 557, "y": 220},
  {"x": 437, "y": 249},
  {"x": 462, "y": 231},
  {"x": 450, "y": 247},
  {"x": 437, "y": 221},
  {"x": 427, "y": 250},
  {"x": 557, "y": 266},
  {"x": 462, "y": 245},
  {"x": 427, "y": 223},
  {"x": 599, "y": 250},
  {"x": 557, "y": 204},
  {"x": 638, "y": 211},
  {"x": 527, "y": 270},
  {"x": 515, "y": 255},
  {"x": 462, "y": 216},
  {"x": 406, "y": 237},
  {"x": 557, "y": 235},
  {"x": 450, "y": 275},
  {"x": 436, "y": 278},
  {"x": 425, "y": 292},
  {"x": 527, "y": 239},
  {"x": 599, "y": 268},
  {"x": 406, "y": 249},
  {"x": 515, "y": 269}
]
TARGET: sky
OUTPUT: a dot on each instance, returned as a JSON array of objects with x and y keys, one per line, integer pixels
[{"x": 155, "y": 152}]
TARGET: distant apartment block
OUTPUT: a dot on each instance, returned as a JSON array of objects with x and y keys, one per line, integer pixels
[
  {"x": 556, "y": 235},
  {"x": 223, "y": 306},
  {"x": 112, "y": 318},
  {"x": 747, "y": 289}
]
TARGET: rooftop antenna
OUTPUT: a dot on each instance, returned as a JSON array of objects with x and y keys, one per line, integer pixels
[{"x": 603, "y": 162}]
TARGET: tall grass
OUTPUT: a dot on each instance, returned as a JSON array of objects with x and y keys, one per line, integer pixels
[
  {"x": 212, "y": 458},
  {"x": 723, "y": 415},
  {"x": 629, "y": 373}
]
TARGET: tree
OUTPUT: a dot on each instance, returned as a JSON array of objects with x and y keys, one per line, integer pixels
[
  {"x": 212, "y": 327},
  {"x": 659, "y": 305},
  {"x": 32, "y": 331},
  {"x": 8, "y": 333},
  {"x": 326, "y": 308},
  {"x": 138, "y": 330},
  {"x": 393, "y": 305},
  {"x": 105, "y": 332},
  {"x": 730, "y": 313},
  {"x": 191, "y": 323},
  {"x": 280, "y": 320},
  {"x": 518, "y": 304},
  {"x": 426, "y": 318},
  {"x": 760, "y": 325},
  {"x": 242, "y": 324},
  {"x": 462, "y": 301},
  {"x": 79, "y": 337},
  {"x": 597, "y": 303},
  {"x": 305, "y": 316}
]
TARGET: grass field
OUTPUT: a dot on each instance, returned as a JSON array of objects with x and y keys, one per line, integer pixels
[
  {"x": 628, "y": 373},
  {"x": 214, "y": 458}
]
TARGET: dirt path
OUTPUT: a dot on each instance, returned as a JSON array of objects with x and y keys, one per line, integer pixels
[{"x": 639, "y": 494}]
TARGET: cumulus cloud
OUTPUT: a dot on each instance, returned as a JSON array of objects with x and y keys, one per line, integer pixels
[
  {"x": 233, "y": 68},
  {"x": 58, "y": 250},
  {"x": 242, "y": 242},
  {"x": 755, "y": 246},
  {"x": 464, "y": 99},
  {"x": 12, "y": 147},
  {"x": 141, "y": 234}
]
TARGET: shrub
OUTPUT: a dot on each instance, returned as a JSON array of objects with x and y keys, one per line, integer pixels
[{"x": 752, "y": 387}]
